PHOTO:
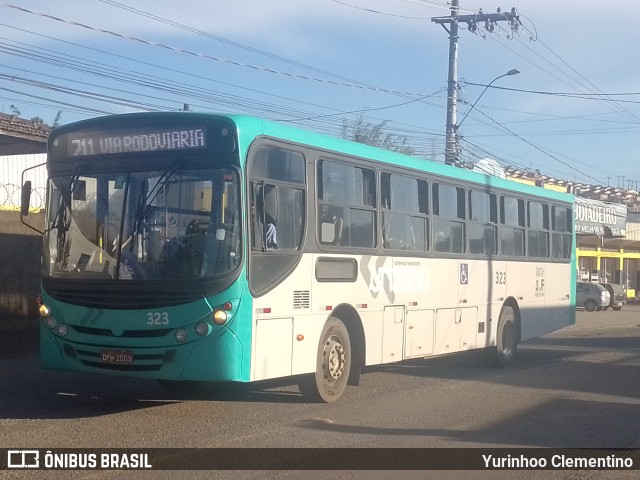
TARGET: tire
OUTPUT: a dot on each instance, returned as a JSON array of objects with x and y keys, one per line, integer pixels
[
  {"x": 617, "y": 308},
  {"x": 506, "y": 338},
  {"x": 333, "y": 365},
  {"x": 590, "y": 305}
]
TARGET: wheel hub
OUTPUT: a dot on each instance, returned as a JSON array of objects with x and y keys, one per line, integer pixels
[{"x": 333, "y": 360}]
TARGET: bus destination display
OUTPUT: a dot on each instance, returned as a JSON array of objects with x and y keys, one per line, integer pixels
[{"x": 145, "y": 140}]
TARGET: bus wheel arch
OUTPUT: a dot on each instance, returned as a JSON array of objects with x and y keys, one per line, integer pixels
[{"x": 508, "y": 333}]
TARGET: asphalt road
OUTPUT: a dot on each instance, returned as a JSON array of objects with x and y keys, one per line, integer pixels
[{"x": 576, "y": 388}]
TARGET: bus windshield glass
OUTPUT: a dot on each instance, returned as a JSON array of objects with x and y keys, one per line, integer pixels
[{"x": 165, "y": 224}]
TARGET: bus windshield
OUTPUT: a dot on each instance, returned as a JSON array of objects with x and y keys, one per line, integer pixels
[{"x": 163, "y": 224}]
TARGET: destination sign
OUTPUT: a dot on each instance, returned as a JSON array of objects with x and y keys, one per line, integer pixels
[{"x": 139, "y": 140}]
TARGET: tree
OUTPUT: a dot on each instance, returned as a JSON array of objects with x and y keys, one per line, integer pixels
[
  {"x": 56, "y": 121},
  {"x": 39, "y": 121},
  {"x": 373, "y": 134}
]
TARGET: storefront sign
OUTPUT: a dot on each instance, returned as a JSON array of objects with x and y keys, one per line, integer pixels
[{"x": 600, "y": 218}]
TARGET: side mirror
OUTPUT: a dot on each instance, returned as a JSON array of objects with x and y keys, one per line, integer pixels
[{"x": 25, "y": 198}]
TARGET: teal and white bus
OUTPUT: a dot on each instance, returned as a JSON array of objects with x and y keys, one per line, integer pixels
[{"x": 194, "y": 247}]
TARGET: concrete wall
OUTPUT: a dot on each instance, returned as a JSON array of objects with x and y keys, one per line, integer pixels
[{"x": 20, "y": 251}]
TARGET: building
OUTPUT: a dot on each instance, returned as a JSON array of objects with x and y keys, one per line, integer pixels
[{"x": 20, "y": 136}]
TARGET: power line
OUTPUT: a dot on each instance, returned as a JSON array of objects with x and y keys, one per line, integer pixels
[
  {"x": 181, "y": 26},
  {"x": 141, "y": 79},
  {"x": 537, "y": 147},
  {"x": 579, "y": 81},
  {"x": 51, "y": 54},
  {"x": 366, "y": 109},
  {"x": 584, "y": 96},
  {"x": 211, "y": 57},
  {"x": 370, "y": 10},
  {"x": 50, "y": 57}
]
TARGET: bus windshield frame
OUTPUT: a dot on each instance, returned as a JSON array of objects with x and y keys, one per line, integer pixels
[{"x": 149, "y": 201}]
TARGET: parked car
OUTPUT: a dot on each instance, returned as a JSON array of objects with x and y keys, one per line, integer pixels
[
  {"x": 617, "y": 294},
  {"x": 592, "y": 296}
]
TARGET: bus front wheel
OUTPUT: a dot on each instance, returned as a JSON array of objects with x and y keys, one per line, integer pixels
[
  {"x": 506, "y": 337},
  {"x": 333, "y": 365}
]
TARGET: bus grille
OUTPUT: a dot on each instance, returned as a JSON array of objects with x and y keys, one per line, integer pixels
[
  {"x": 127, "y": 300},
  {"x": 105, "y": 332}
]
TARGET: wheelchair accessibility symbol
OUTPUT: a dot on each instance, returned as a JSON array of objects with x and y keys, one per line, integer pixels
[{"x": 464, "y": 274}]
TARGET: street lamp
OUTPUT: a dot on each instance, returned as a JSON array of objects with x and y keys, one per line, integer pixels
[
  {"x": 451, "y": 153},
  {"x": 513, "y": 71}
]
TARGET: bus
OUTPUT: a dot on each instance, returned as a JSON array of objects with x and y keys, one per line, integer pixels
[{"x": 188, "y": 247}]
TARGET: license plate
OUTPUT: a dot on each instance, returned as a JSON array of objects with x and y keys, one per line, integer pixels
[{"x": 116, "y": 356}]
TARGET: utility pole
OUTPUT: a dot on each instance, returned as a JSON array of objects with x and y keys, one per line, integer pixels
[
  {"x": 489, "y": 20},
  {"x": 451, "y": 146}
]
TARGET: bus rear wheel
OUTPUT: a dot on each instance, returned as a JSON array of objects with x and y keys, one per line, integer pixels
[
  {"x": 333, "y": 365},
  {"x": 506, "y": 338}
]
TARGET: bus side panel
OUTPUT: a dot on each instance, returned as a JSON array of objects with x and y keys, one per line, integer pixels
[
  {"x": 557, "y": 287},
  {"x": 214, "y": 361},
  {"x": 483, "y": 285},
  {"x": 532, "y": 285},
  {"x": 286, "y": 331}
]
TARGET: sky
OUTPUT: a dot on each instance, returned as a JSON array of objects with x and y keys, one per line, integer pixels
[{"x": 573, "y": 111}]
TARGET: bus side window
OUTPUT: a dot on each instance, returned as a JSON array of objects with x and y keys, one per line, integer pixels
[
  {"x": 512, "y": 226},
  {"x": 538, "y": 230},
  {"x": 346, "y": 205},
  {"x": 561, "y": 232},
  {"x": 331, "y": 225},
  {"x": 404, "y": 212},
  {"x": 449, "y": 222},
  {"x": 278, "y": 217},
  {"x": 267, "y": 208}
]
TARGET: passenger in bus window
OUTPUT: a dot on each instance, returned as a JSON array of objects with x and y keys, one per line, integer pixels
[
  {"x": 265, "y": 210},
  {"x": 270, "y": 236}
]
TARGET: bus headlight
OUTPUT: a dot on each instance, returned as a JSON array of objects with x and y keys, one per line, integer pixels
[
  {"x": 62, "y": 330},
  {"x": 202, "y": 328},
  {"x": 43, "y": 311},
  {"x": 220, "y": 317},
  {"x": 50, "y": 322},
  {"x": 181, "y": 335}
]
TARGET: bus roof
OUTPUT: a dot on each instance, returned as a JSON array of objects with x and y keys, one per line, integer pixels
[
  {"x": 251, "y": 127},
  {"x": 267, "y": 128}
]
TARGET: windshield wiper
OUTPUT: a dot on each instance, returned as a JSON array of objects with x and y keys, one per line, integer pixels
[
  {"x": 59, "y": 220},
  {"x": 144, "y": 207}
]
